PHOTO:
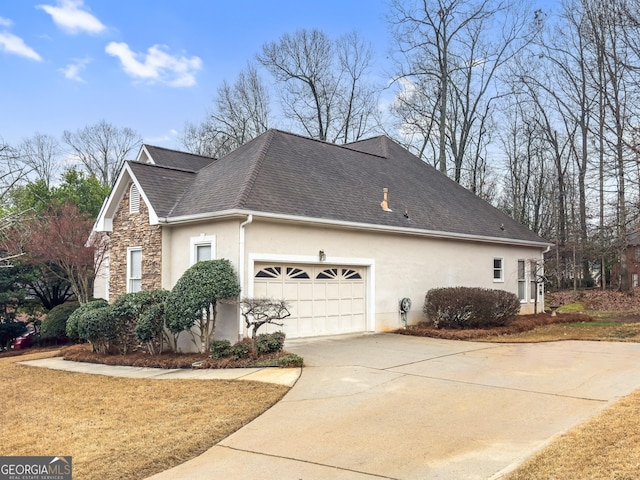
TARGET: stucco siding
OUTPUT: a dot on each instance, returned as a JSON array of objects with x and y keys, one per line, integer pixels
[
  {"x": 177, "y": 254},
  {"x": 405, "y": 266}
]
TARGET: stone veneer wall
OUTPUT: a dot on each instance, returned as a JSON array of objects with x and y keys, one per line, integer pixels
[{"x": 133, "y": 230}]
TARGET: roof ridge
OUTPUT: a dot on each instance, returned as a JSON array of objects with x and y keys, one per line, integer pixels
[
  {"x": 345, "y": 146},
  {"x": 248, "y": 184}
]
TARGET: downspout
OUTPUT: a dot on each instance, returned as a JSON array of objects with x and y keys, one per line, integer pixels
[{"x": 241, "y": 272}]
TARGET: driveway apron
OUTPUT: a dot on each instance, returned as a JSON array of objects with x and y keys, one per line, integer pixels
[{"x": 400, "y": 407}]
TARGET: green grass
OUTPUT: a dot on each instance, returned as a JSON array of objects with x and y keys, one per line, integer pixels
[{"x": 571, "y": 308}]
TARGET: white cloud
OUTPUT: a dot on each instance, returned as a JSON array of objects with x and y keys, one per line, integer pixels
[
  {"x": 70, "y": 17},
  {"x": 72, "y": 71},
  {"x": 5, "y": 22},
  {"x": 11, "y": 43},
  {"x": 156, "y": 66}
]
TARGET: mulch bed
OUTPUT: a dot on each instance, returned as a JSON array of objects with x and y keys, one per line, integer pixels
[
  {"x": 83, "y": 353},
  {"x": 522, "y": 323}
]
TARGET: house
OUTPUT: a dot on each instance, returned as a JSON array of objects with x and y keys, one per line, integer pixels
[
  {"x": 632, "y": 257},
  {"x": 342, "y": 232}
]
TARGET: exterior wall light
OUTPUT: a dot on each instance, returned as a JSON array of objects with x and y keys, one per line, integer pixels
[{"x": 322, "y": 256}]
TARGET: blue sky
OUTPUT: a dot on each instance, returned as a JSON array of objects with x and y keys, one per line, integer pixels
[{"x": 150, "y": 65}]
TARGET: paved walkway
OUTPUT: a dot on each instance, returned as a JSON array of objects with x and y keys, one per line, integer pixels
[{"x": 283, "y": 376}]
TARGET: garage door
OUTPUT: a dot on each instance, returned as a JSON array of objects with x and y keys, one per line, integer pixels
[{"x": 324, "y": 300}]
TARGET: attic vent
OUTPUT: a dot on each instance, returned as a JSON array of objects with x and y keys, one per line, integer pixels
[
  {"x": 385, "y": 200},
  {"x": 134, "y": 199}
]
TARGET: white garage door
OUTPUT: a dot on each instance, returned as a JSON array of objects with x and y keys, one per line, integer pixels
[{"x": 324, "y": 300}]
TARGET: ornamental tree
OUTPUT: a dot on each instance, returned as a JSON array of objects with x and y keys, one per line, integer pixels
[
  {"x": 261, "y": 311},
  {"x": 194, "y": 299}
]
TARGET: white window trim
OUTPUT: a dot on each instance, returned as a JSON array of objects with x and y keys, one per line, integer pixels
[
  {"x": 129, "y": 278},
  {"x": 532, "y": 281},
  {"x": 493, "y": 269},
  {"x": 195, "y": 242},
  {"x": 134, "y": 193},
  {"x": 524, "y": 280}
]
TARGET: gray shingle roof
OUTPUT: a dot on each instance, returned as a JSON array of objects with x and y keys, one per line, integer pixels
[
  {"x": 287, "y": 174},
  {"x": 162, "y": 186},
  {"x": 175, "y": 159}
]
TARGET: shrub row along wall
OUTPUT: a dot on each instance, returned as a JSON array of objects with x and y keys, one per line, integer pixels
[{"x": 464, "y": 307}]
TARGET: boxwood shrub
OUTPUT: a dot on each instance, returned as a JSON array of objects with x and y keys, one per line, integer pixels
[
  {"x": 467, "y": 308},
  {"x": 269, "y": 342}
]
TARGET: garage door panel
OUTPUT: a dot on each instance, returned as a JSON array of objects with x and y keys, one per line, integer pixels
[
  {"x": 333, "y": 291},
  {"x": 324, "y": 300},
  {"x": 305, "y": 308}
]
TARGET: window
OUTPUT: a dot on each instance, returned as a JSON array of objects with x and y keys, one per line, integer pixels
[
  {"x": 533, "y": 274},
  {"x": 522, "y": 282},
  {"x": 134, "y": 199},
  {"x": 202, "y": 248},
  {"x": 498, "y": 269},
  {"x": 134, "y": 269},
  {"x": 203, "y": 252}
]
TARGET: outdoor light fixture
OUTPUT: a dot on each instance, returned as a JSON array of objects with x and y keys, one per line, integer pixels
[{"x": 322, "y": 256}]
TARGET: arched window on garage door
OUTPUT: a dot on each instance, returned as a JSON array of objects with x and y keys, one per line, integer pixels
[{"x": 338, "y": 273}]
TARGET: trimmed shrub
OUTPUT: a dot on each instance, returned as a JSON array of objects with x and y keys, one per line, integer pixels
[
  {"x": 291, "y": 360},
  {"x": 468, "y": 308},
  {"x": 55, "y": 323},
  {"x": 220, "y": 349},
  {"x": 149, "y": 328},
  {"x": 242, "y": 349},
  {"x": 269, "y": 342},
  {"x": 97, "y": 327},
  {"x": 128, "y": 310},
  {"x": 194, "y": 298},
  {"x": 73, "y": 322}
]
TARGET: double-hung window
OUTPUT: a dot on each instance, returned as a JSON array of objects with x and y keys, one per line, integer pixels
[
  {"x": 134, "y": 269},
  {"x": 533, "y": 274},
  {"x": 522, "y": 281},
  {"x": 498, "y": 269}
]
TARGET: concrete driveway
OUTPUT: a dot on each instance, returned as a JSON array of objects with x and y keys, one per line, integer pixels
[{"x": 399, "y": 407}]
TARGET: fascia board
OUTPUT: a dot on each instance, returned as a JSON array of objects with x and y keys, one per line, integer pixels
[{"x": 351, "y": 225}]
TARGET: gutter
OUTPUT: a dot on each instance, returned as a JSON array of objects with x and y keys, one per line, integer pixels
[
  {"x": 241, "y": 268},
  {"x": 227, "y": 214}
]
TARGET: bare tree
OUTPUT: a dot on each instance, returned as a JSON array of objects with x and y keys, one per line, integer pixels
[
  {"x": 102, "y": 148},
  {"x": 241, "y": 112},
  {"x": 40, "y": 153},
  {"x": 12, "y": 171},
  {"x": 323, "y": 87},
  {"x": 450, "y": 52}
]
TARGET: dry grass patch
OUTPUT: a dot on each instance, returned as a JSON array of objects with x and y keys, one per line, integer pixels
[
  {"x": 522, "y": 324},
  {"x": 119, "y": 428},
  {"x": 605, "y": 447}
]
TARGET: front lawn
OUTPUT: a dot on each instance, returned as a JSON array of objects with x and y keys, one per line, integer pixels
[{"x": 117, "y": 428}]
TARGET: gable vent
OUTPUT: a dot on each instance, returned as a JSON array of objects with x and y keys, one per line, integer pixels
[{"x": 134, "y": 199}]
